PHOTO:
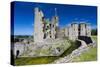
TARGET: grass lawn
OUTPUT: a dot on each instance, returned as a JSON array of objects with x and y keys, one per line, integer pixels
[
  {"x": 36, "y": 60},
  {"x": 90, "y": 55}
]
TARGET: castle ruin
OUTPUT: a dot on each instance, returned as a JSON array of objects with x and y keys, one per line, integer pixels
[
  {"x": 49, "y": 38},
  {"x": 46, "y": 29}
]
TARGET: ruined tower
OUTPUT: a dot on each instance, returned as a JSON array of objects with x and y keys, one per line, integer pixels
[
  {"x": 53, "y": 28},
  {"x": 82, "y": 29},
  {"x": 54, "y": 25},
  {"x": 38, "y": 26},
  {"x": 74, "y": 31},
  {"x": 88, "y": 30}
]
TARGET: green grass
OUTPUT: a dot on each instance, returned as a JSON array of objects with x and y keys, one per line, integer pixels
[
  {"x": 90, "y": 55},
  {"x": 34, "y": 60}
]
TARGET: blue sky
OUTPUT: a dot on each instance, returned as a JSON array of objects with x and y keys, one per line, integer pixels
[{"x": 24, "y": 15}]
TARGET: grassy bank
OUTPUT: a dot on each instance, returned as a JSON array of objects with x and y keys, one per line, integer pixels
[
  {"x": 90, "y": 55},
  {"x": 34, "y": 60}
]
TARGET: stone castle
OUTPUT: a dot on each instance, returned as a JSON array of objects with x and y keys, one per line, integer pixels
[
  {"x": 46, "y": 29},
  {"x": 49, "y": 38}
]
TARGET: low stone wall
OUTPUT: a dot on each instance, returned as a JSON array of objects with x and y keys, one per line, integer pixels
[{"x": 46, "y": 48}]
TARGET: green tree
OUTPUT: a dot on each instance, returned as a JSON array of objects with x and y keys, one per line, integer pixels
[{"x": 94, "y": 32}]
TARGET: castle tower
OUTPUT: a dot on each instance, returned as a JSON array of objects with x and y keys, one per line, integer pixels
[
  {"x": 74, "y": 31},
  {"x": 88, "y": 30},
  {"x": 38, "y": 26},
  {"x": 82, "y": 29},
  {"x": 56, "y": 23},
  {"x": 54, "y": 26}
]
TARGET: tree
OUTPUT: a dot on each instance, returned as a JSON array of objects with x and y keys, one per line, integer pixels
[{"x": 94, "y": 31}]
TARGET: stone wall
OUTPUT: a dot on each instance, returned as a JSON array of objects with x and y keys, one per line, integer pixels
[{"x": 48, "y": 48}]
